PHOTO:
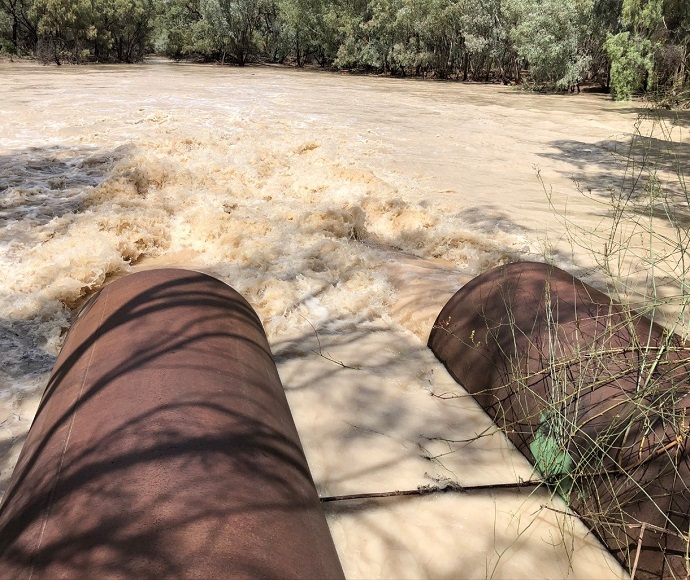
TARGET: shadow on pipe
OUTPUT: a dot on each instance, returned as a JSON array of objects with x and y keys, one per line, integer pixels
[
  {"x": 594, "y": 394},
  {"x": 164, "y": 447}
]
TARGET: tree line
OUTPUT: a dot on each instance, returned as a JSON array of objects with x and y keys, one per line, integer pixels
[{"x": 624, "y": 45}]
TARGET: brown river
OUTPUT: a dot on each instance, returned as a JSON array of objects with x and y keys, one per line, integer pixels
[{"x": 347, "y": 210}]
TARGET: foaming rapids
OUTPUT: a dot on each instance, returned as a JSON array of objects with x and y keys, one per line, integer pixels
[{"x": 298, "y": 233}]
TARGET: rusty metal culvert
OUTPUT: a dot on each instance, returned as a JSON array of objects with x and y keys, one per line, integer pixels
[
  {"x": 594, "y": 394},
  {"x": 164, "y": 447}
]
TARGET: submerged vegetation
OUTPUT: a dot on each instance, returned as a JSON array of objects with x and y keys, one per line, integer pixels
[{"x": 624, "y": 45}]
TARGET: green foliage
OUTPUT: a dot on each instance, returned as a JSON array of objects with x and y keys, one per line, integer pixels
[
  {"x": 122, "y": 27},
  {"x": 369, "y": 36},
  {"x": 630, "y": 64},
  {"x": 440, "y": 28},
  {"x": 605, "y": 21},
  {"x": 301, "y": 24},
  {"x": 644, "y": 16},
  {"x": 18, "y": 34},
  {"x": 234, "y": 25},
  {"x": 63, "y": 28},
  {"x": 653, "y": 51},
  {"x": 6, "y": 46},
  {"x": 176, "y": 28},
  {"x": 551, "y": 35},
  {"x": 486, "y": 26},
  {"x": 76, "y": 30}
]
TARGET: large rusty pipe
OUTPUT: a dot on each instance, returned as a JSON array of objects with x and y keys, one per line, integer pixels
[
  {"x": 553, "y": 360},
  {"x": 164, "y": 447}
]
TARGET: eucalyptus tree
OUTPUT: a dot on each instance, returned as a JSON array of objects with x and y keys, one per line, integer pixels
[
  {"x": 551, "y": 35},
  {"x": 121, "y": 29},
  {"x": 671, "y": 52},
  {"x": 403, "y": 36},
  {"x": 312, "y": 30},
  {"x": 606, "y": 21},
  {"x": 79, "y": 30},
  {"x": 235, "y": 25},
  {"x": 6, "y": 42},
  {"x": 300, "y": 23},
  {"x": 633, "y": 43},
  {"x": 176, "y": 27},
  {"x": 351, "y": 18},
  {"x": 680, "y": 15},
  {"x": 328, "y": 34},
  {"x": 631, "y": 50},
  {"x": 486, "y": 25},
  {"x": 64, "y": 27},
  {"x": 20, "y": 29},
  {"x": 371, "y": 41},
  {"x": 439, "y": 26}
]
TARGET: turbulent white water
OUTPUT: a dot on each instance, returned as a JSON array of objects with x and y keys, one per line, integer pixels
[{"x": 346, "y": 210}]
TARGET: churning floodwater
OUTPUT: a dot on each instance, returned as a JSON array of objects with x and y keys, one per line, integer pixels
[{"x": 347, "y": 210}]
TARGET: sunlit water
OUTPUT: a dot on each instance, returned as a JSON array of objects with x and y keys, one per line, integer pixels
[{"x": 347, "y": 210}]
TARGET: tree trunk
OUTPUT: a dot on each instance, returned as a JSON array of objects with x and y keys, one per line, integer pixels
[
  {"x": 298, "y": 52},
  {"x": 15, "y": 32},
  {"x": 477, "y": 68},
  {"x": 56, "y": 53},
  {"x": 608, "y": 77}
]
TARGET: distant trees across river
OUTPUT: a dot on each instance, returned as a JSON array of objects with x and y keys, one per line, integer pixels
[{"x": 623, "y": 45}]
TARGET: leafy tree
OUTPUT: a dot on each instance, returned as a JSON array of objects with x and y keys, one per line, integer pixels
[
  {"x": 329, "y": 34},
  {"x": 63, "y": 28},
  {"x": 440, "y": 29},
  {"x": 627, "y": 44},
  {"x": 19, "y": 25},
  {"x": 632, "y": 51},
  {"x": 6, "y": 45},
  {"x": 349, "y": 18},
  {"x": 606, "y": 21},
  {"x": 121, "y": 29},
  {"x": 176, "y": 27},
  {"x": 630, "y": 63},
  {"x": 371, "y": 40},
  {"x": 672, "y": 51},
  {"x": 487, "y": 24},
  {"x": 235, "y": 24},
  {"x": 551, "y": 36},
  {"x": 78, "y": 30},
  {"x": 299, "y": 22}
]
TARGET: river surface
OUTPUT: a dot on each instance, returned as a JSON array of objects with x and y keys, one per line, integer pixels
[{"x": 347, "y": 210}]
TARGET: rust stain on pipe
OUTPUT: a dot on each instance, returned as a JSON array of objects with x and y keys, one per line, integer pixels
[
  {"x": 538, "y": 348},
  {"x": 164, "y": 447}
]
